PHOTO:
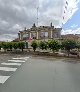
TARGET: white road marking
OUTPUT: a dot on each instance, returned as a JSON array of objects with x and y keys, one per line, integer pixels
[
  {"x": 8, "y": 69},
  {"x": 18, "y": 64},
  {"x": 18, "y": 61},
  {"x": 21, "y": 58},
  {"x": 3, "y": 79},
  {"x": 25, "y": 57}
]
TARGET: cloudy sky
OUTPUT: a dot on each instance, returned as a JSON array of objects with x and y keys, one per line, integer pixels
[{"x": 17, "y": 14}]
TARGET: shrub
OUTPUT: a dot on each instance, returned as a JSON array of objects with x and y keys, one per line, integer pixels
[
  {"x": 21, "y": 45},
  {"x": 9, "y": 45},
  {"x": 69, "y": 45},
  {"x": 4, "y": 45},
  {"x": 15, "y": 45},
  {"x": 43, "y": 45},
  {"x": 34, "y": 45},
  {"x": 53, "y": 45}
]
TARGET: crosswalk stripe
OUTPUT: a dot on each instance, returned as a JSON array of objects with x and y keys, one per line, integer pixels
[
  {"x": 16, "y": 61},
  {"x": 18, "y": 64},
  {"x": 8, "y": 69},
  {"x": 21, "y": 58},
  {"x": 3, "y": 79}
]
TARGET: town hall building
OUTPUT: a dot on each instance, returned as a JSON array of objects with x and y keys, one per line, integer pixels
[{"x": 40, "y": 33}]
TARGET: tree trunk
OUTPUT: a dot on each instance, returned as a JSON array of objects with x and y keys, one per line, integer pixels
[
  {"x": 34, "y": 50},
  {"x": 68, "y": 52},
  {"x": 22, "y": 49},
  {"x": 4, "y": 50},
  {"x": 78, "y": 54}
]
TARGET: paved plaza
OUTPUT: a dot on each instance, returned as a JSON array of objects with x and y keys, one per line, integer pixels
[{"x": 39, "y": 74}]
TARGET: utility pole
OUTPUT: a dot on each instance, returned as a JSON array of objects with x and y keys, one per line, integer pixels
[
  {"x": 37, "y": 18},
  {"x": 37, "y": 15}
]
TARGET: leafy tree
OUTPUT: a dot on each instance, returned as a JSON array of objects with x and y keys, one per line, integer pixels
[
  {"x": 69, "y": 45},
  {"x": 9, "y": 45},
  {"x": 78, "y": 45},
  {"x": 15, "y": 45},
  {"x": 43, "y": 45},
  {"x": 4, "y": 45},
  {"x": 21, "y": 45},
  {"x": 34, "y": 45},
  {"x": 53, "y": 45}
]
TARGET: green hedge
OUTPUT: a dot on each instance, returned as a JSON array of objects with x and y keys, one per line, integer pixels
[
  {"x": 13, "y": 45},
  {"x": 55, "y": 45}
]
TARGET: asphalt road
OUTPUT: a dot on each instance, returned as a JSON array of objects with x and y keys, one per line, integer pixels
[{"x": 44, "y": 75}]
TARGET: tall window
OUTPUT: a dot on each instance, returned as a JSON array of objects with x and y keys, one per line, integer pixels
[
  {"x": 55, "y": 35},
  {"x": 33, "y": 35},
  {"x": 25, "y": 36},
  {"x": 44, "y": 34}
]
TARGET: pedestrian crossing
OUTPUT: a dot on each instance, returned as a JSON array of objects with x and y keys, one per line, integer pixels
[
  {"x": 8, "y": 67},
  {"x": 18, "y": 61},
  {"x": 18, "y": 64},
  {"x": 21, "y": 58},
  {"x": 3, "y": 79}
]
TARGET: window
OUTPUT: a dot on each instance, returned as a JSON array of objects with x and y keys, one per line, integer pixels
[
  {"x": 33, "y": 35},
  {"x": 25, "y": 36},
  {"x": 55, "y": 35},
  {"x": 44, "y": 34}
]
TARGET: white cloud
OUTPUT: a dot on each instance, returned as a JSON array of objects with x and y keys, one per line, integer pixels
[
  {"x": 8, "y": 37},
  {"x": 70, "y": 31},
  {"x": 74, "y": 26}
]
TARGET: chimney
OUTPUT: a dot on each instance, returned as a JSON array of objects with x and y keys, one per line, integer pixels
[
  {"x": 34, "y": 25},
  {"x": 51, "y": 24}
]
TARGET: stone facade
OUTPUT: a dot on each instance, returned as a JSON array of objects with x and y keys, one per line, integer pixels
[{"x": 40, "y": 33}]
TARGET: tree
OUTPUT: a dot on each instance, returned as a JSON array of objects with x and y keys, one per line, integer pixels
[
  {"x": 69, "y": 45},
  {"x": 9, "y": 45},
  {"x": 78, "y": 45},
  {"x": 15, "y": 45},
  {"x": 53, "y": 45},
  {"x": 21, "y": 45},
  {"x": 43, "y": 45},
  {"x": 34, "y": 45},
  {"x": 4, "y": 45}
]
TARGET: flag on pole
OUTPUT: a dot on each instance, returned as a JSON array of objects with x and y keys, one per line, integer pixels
[
  {"x": 66, "y": 7},
  {"x": 64, "y": 11},
  {"x": 63, "y": 17},
  {"x": 66, "y": 2}
]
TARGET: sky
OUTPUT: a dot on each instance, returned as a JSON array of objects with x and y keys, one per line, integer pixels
[{"x": 17, "y": 14}]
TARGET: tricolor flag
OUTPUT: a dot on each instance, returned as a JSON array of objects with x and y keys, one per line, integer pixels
[
  {"x": 66, "y": 2},
  {"x": 66, "y": 7},
  {"x": 63, "y": 17},
  {"x": 64, "y": 11}
]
